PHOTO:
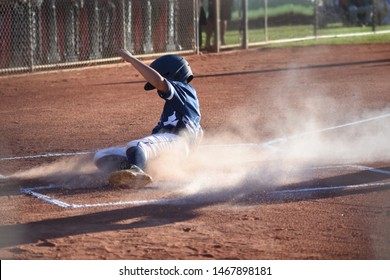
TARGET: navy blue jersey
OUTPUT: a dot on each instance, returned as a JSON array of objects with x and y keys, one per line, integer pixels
[{"x": 181, "y": 113}]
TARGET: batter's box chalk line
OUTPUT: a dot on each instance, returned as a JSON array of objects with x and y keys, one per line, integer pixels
[{"x": 35, "y": 191}]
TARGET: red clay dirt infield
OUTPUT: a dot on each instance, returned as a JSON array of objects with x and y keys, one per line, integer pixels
[{"x": 317, "y": 185}]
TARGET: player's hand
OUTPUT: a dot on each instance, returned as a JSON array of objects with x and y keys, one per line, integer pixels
[{"x": 125, "y": 54}]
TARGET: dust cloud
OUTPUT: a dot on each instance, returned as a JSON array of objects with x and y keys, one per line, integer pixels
[
  {"x": 316, "y": 131},
  {"x": 68, "y": 172}
]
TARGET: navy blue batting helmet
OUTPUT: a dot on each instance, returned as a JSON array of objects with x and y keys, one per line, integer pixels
[{"x": 172, "y": 67}]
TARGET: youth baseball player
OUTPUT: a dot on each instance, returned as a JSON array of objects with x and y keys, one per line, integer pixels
[{"x": 177, "y": 131}]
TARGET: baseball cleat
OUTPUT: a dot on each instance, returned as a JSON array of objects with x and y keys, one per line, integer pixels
[{"x": 134, "y": 177}]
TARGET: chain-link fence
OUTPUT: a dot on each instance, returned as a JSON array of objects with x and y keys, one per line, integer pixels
[
  {"x": 42, "y": 34},
  {"x": 37, "y": 34},
  {"x": 256, "y": 22}
]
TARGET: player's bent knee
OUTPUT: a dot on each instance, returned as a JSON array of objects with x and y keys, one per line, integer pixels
[
  {"x": 111, "y": 159},
  {"x": 136, "y": 155},
  {"x": 110, "y": 163}
]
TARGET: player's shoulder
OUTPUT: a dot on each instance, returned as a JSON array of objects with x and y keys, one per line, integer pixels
[{"x": 181, "y": 88}]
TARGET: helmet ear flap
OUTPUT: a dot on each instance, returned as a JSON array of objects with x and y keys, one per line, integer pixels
[{"x": 189, "y": 79}]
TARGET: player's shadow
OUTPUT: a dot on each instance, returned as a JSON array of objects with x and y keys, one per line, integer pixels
[
  {"x": 359, "y": 182},
  {"x": 182, "y": 209},
  {"x": 143, "y": 216}
]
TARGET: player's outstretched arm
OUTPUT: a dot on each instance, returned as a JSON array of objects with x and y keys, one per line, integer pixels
[{"x": 150, "y": 75}]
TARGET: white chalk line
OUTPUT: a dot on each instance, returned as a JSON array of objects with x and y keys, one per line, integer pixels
[
  {"x": 267, "y": 144},
  {"x": 332, "y": 188},
  {"x": 372, "y": 169},
  {"x": 46, "y": 198},
  {"x": 33, "y": 192},
  {"x": 63, "y": 204},
  {"x": 47, "y": 156},
  {"x": 353, "y": 167},
  {"x": 185, "y": 201},
  {"x": 283, "y": 139}
]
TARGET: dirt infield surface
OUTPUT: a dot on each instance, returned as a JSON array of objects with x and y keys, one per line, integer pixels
[{"x": 295, "y": 163}]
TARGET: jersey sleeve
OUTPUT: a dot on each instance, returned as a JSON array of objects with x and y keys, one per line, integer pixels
[{"x": 178, "y": 95}]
